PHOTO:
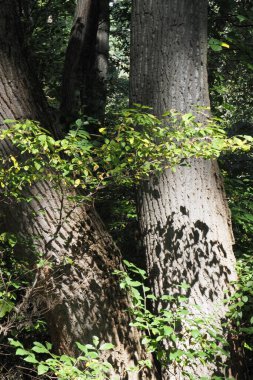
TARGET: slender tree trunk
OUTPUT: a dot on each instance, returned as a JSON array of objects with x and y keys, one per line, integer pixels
[
  {"x": 184, "y": 217},
  {"x": 93, "y": 94},
  {"x": 82, "y": 299},
  {"x": 85, "y": 70}
]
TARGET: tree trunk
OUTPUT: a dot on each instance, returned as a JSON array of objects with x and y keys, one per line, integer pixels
[
  {"x": 85, "y": 69},
  {"x": 82, "y": 299},
  {"x": 184, "y": 217},
  {"x": 93, "y": 94}
]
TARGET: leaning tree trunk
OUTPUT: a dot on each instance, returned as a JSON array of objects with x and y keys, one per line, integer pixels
[
  {"x": 184, "y": 217},
  {"x": 82, "y": 299},
  {"x": 86, "y": 62}
]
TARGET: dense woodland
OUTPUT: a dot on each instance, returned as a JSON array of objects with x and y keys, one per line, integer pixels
[{"x": 126, "y": 185}]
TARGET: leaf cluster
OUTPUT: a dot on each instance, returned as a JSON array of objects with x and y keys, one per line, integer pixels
[
  {"x": 138, "y": 145},
  {"x": 88, "y": 365},
  {"x": 180, "y": 334}
]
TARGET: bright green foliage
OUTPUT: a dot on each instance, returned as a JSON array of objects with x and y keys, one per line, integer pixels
[
  {"x": 180, "y": 334},
  {"x": 138, "y": 145},
  {"x": 88, "y": 365}
]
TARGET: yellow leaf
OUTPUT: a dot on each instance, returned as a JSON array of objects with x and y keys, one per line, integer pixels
[
  {"x": 77, "y": 182},
  {"x": 225, "y": 45},
  {"x": 15, "y": 163},
  {"x": 102, "y": 130}
]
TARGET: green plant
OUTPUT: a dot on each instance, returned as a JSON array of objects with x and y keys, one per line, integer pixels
[
  {"x": 138, "y": 145},
  {"x": 88, "y": 365},
  {"x": 241, "y": 304},
  {"x": 180, "y": 333}
]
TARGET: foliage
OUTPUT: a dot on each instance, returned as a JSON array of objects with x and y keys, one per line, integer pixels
[
  {"x": 88, "y": 365},
  {"x": 134, "y": 145},
  {"x": 230, "y": 67},
  {"x": 44, "y": 21},
  {"x": 241, "y": 303},
  {"x": 180, "y": 334},
  {"x": 120, "y": 34},
  {"x": 138, "y": 145},
  {"x": 8, "y": 286},
  {"x": 240, "y": 192},
  {"x": 239, "y": 186}
]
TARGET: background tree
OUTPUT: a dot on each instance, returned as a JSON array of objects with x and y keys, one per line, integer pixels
[{"x": 86, "y": 62}]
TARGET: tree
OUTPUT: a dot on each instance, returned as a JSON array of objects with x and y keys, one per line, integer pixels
[
  {"x": 82, "y": 299},
  {"x": 184, "y": 217},
  {"x": 85, "y": 69},
  {"x": 56, "y": 228}
]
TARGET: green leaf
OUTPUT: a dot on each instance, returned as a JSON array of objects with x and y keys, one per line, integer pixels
[
  {"x": 167, "y": 330},
  {"x": 195, "y": 333},
  {"x": 173, "y": 355},
  {"x": 82, "y": 347},
  {"x": 79, "y": 123},
  {"x": 241, "y": 18},
  {"x": 9, "y": 121},
  {"x": 135, "y": 283},
  {"x": 5, "y": 307},
  {"x": 31, "y": 359},
  {"x": 49, "y": 346},
  {"x": 215, "y": 44},
  {"x": 152, "y": 297},
  {"x": 40, "y": 348},
  {"x": 247, "y": 330},
  {"x": 93, "y": 355},
  {"x": 22, "y": 352},
  {"x": 42, "y": 369},
  {"x": 65, "y": 359},
  {"x": 15, "y": 343},
  {"x": 106, "y": 346},
  {"x": 37, "y": 165}
]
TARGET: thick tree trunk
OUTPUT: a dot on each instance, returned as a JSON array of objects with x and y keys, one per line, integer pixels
[
  {"x": 82, "y": 299},
  {"x": 85, "y": 69},
  {"x": 184, "y": 217}
]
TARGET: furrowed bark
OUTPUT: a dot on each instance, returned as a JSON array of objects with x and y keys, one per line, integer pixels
[
  {"x": 184, "y": 217},
  {"x": 82, "y": 299}
]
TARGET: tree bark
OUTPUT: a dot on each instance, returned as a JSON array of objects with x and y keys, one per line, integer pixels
[
  {"x": 184, "y": 217},
  {"x": 93, "y": 93},
  {"x": 82, "y": 299},
  {"x": 86, "y": 62}
]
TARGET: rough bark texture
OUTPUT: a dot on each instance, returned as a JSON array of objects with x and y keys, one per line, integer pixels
[
  {"x": 184, "y": 216},
  {"x": 83, "y": 299},
  {"x": 85, "y": 70}
]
